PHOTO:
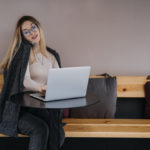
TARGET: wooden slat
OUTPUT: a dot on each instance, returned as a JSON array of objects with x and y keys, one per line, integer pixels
[
  {"x": 131, "y": 86},
  {"x": 108, "y": 128},
  {"x": 139, "y": 122},
  {"x": 19, "y": 135},
  {"x": 107, "y": 131}
]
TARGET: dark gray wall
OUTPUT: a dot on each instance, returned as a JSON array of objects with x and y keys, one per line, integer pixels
[{"x": 112, "y": 36}]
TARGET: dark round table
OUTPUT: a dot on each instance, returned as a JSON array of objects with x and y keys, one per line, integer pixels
[{"x": 29, "y": 101}]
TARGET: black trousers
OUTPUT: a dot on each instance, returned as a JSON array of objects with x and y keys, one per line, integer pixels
[{"x": 42, "y": 127}]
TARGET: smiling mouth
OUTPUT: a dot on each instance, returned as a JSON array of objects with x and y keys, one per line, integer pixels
[{"x": 34, "y": 37}]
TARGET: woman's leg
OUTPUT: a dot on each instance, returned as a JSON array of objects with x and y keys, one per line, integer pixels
[
  {"x": 36, "y": 128},
  {"x": 53, "y": 119}
]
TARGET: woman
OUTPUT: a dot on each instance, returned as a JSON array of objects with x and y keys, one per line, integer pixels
[{"x": 25, "y": 68}]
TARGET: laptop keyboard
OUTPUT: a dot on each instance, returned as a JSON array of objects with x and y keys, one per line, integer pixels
[{"x": 43, "y": 96}]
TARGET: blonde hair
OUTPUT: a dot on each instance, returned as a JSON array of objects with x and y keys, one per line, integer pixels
[{"x": 17, "y": 39}]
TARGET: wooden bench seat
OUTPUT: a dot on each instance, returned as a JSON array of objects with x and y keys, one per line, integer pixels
[
  {"x": 105, "y": 128},
  {"x": 127, "y": 86},
  {"x": 108, "y": 128}
]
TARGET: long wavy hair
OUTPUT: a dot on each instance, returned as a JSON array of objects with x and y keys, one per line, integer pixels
[{"x": 17, "y": 39}]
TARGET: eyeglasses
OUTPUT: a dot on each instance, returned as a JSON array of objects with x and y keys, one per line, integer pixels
[{"x": 27, "y": 32}]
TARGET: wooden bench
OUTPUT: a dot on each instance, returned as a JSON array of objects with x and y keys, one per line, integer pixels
[{"x": 127, "y": 86}]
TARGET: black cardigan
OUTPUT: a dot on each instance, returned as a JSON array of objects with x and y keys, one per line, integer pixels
[{"x": 13, "y": 87}]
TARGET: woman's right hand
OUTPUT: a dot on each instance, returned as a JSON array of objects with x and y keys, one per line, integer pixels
[{"x": 42, "y": 89}]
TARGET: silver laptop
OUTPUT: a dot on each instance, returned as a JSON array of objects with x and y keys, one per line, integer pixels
[{"x": 65, "y": 83}]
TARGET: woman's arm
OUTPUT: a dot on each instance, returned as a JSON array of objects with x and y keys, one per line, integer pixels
[{"x": 29, "y": 84}]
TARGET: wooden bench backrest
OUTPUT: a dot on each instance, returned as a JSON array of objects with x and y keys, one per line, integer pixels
[{"x": 127, "y": 86}]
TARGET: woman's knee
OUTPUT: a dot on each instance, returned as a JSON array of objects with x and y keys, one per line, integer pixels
[{"x": 32, "y": 125}]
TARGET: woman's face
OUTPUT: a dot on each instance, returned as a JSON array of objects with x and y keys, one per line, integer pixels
[{"x": 31, "y": 32}]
